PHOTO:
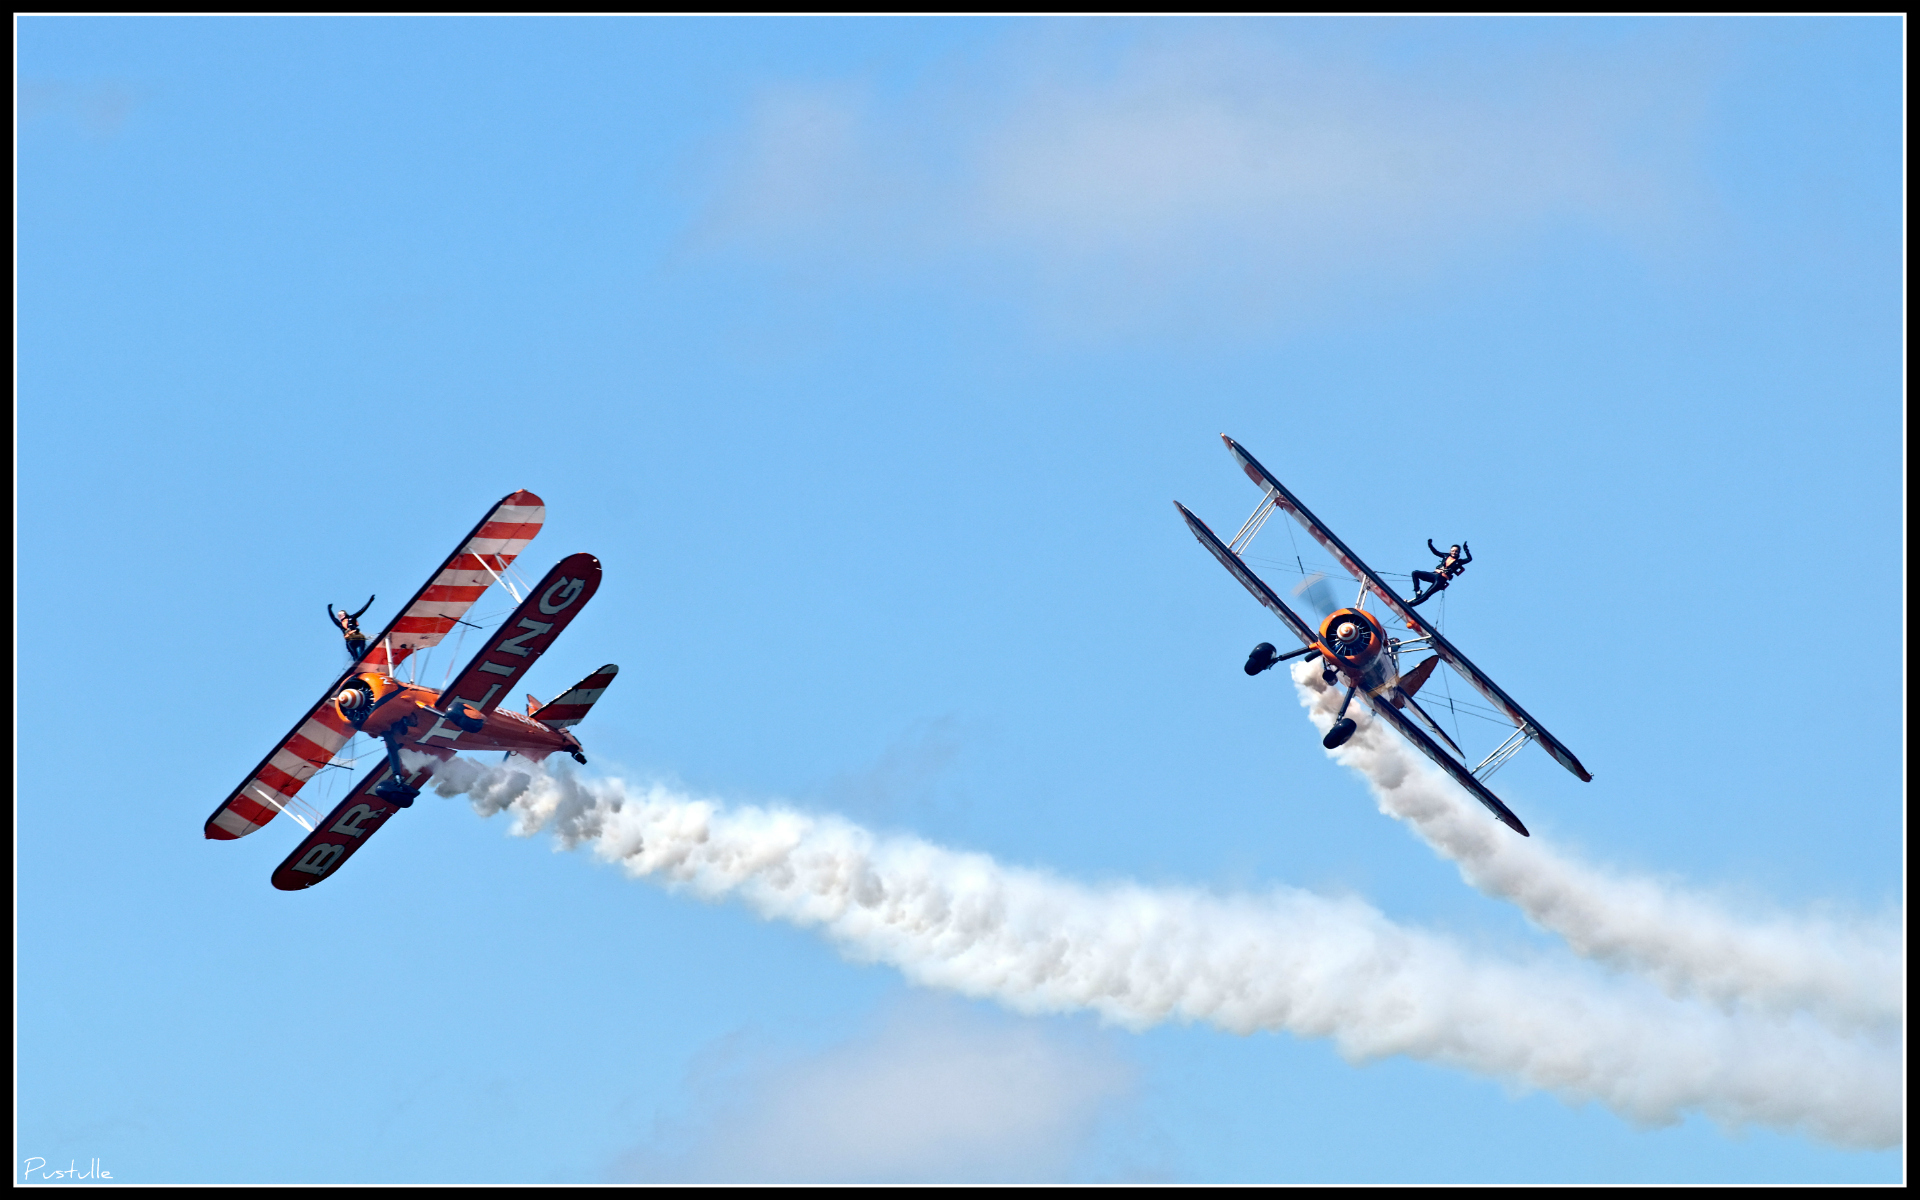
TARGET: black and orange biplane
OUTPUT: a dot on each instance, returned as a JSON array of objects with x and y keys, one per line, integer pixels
[
  {"x": 420, "y": 727},
  {"x": 1357, "y": 650}
]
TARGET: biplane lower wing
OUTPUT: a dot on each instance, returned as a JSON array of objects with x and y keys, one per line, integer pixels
[
  {"x": 1253, "y": 583},
  {"x": 1403, "y": 700},
  {"x": 549, "y": 608},
  {"x": 348, "y": 826},
  {"x": 1384, "y": 709},
  {"x": 513, "y": 648},
  {"x": 273, "y": 787},
  {"x": 1281, "y": 498}
]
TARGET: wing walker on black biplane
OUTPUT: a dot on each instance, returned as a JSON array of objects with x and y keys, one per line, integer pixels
[
  {"x": 1355, "y": 648},
  {"x": 420, "y": 728}
]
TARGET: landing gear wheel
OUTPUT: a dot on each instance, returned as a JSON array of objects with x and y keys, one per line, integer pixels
[
  {"x": 396, "y": 793},
  {"x": 1338, "y": 735},
  {"x": 1263, "y": 656},
  {"x": 579, "y": 758},
  {"x": 1330, "y": 676}
]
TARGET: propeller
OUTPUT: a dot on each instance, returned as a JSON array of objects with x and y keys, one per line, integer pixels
[{"x": 1315, "y": 591}]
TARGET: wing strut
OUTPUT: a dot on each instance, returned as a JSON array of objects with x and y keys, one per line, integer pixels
[
  {"x": 1268, "y": 506},
  {"x": 1385, "y": 710},
  {"x": 1240, "y": 571},
  {"x": 1516, "y": 742},
  {"x": 500, "y": 579}
]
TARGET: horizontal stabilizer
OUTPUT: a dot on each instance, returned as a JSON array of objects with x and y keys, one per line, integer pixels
[{"x": 570, "y": 707}]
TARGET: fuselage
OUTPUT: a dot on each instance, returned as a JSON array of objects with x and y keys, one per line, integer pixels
[{"x": 381, "y": 706}]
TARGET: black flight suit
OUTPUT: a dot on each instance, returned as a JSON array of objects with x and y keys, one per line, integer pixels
[{"x": 1437, "y": 580}]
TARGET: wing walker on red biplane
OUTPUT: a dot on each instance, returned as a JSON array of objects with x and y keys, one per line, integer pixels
[
  {"x": 420, "y": 728},
  {"x": 1355, "y": 648}
]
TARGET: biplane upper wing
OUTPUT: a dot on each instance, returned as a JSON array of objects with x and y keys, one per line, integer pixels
[
  {"x": 1287, "y": 501},
  {"x": 1253, "y": 583},
  {"x": 513, "y": 648},
  {"x": 1384, "y": 709},
  {"x": 479, "y": 562},
  {"x": 273, "y": 787}
]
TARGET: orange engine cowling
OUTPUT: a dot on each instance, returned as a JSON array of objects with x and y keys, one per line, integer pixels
[
  {"x": 1353, "y": 637},
  {"x": 359, "y": 696}
]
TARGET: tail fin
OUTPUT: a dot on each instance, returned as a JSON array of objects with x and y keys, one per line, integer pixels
[
  {"x": 1411, "y": 681},
  {"x": 570, "y": 707}
]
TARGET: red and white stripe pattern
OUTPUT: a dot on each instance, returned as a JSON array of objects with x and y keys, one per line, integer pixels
[
  {"x": 482, "y": 556},
  {"x": 277, "y": 782},
  {"x": 481, "y": 560},
  {"x": 570, "y": 707}
]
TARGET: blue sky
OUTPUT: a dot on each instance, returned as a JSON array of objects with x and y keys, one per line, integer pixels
[{"x": 867, "y": 356}]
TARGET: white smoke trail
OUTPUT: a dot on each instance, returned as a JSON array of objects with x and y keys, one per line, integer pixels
[
  {"x": 1285, "y": 961},
  {"x": 1849, "y": 974}
]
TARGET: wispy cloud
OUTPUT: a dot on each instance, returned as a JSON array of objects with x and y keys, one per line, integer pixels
[
  {"x": 933, "y": 1092},
  {"x": 1192, "y": 161},
  {"x": 98, "y": 108}
]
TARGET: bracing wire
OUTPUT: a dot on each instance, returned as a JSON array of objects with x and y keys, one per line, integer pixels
[
  {"x": 1445, "y": 683},
  {"x": 1456, "y": 708},
  {"x": 453, "y": 658},
  {"x": 1299, "y": 567}
]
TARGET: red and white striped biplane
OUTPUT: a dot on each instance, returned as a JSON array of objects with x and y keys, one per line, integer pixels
[
  {"x": 1356, "y": 649},
  {"x": 419, "y": 727}
]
